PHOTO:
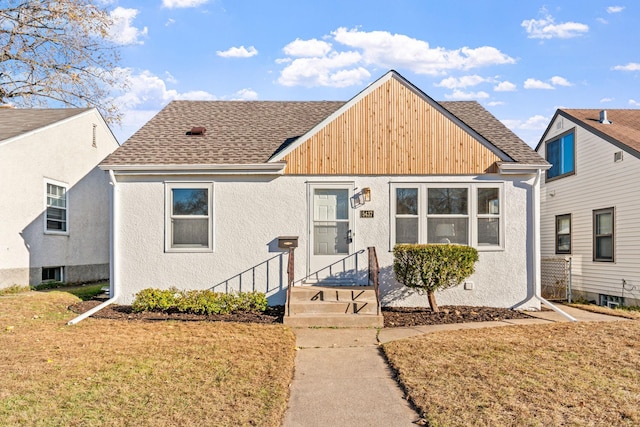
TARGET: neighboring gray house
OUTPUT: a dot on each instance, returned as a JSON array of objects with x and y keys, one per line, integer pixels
[
  {"x": 54, "y": 218},
  {"x": 590, "y": 202},
  {"x": 207, "y": 189}
]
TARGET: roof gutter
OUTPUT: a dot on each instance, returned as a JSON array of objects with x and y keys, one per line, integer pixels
[
  {"x": 114, "y": 288},
  {"x": 273, "y": 168},
  {"x": 510, "y": 168}
]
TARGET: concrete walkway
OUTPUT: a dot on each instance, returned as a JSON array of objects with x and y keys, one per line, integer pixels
[{"x": 342, "y": 379}]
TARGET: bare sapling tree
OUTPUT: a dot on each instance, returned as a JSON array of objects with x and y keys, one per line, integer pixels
[{"x": 57, "y": 53}]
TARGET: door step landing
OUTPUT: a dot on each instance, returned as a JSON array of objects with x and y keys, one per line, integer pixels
[{"x": 333, "y": 306}]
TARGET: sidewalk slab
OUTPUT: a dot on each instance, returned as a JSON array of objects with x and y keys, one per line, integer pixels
[{"x": 342, "y": 379}]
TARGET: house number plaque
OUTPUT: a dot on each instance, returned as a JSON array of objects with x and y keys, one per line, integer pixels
[{"x": 366, "y": 214}]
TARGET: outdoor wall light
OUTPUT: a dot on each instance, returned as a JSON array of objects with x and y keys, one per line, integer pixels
[{"x": 366, "y": 194}]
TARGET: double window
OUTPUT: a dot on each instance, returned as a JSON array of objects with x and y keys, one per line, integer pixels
[
  {"x": 563, "y": 234},
  {"x": 561, "y": 155},
  {"x": 603, "y": 235},
  {"x": 463, "y": 214},
  {"x": 56, "y": 214},
  {"x": 188, "y": 216}
]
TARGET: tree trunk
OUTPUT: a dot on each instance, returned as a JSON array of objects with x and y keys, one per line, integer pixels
[{"x": 432, "y": 301}]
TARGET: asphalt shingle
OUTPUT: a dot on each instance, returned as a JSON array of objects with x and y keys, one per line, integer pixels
[{"x": 17, "y": 121}]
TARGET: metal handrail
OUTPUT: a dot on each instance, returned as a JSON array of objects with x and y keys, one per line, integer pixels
[
  {"x": 253, "y": 275},
  {"x": 374, "y": 270},
  {"x": 330, "y": 267}
]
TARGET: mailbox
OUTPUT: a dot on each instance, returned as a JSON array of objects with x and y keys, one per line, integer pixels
[{"x": 286, "y": 242}]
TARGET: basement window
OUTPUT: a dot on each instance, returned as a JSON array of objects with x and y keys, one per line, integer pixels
[{"x": 53, "y": 274}]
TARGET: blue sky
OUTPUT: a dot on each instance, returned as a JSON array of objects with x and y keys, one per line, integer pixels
[{"x": 520, "y": 59}]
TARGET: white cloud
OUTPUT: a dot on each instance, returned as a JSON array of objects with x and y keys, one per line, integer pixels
[
  {"x": 196, "y": 95},
  {"x": 546, "y": 28},
  {"x": 175, "y": 4},
  {"x": 461, "y": 82},
  {"x": 316, "y": 62},
  {"x": 560, "y": 81},
  {"x": 336, "y": 70},
  {"x": 634, "y": 103},
  {"x": 495, "y": 103},
  {"x": 603, "y": 100},
  {"x": 631, "y": 66},
  {"x": 537, "y": 84},
  {"x": 246, "y": 95},
  {"x": 602, "y": 21},
  {"x": 122, "y": 31},
  {"x": 383, "y": 49},
  {"x": 169, "y": 22},
  {"x": 504, "y": 87},
  {"x": 307, "y": 48},
  {"x": 615, "y": 9},
  {"x": 460, "y": 95},
  {"x": 238, "y": 52},
  {"x": 145, "y": 96}
]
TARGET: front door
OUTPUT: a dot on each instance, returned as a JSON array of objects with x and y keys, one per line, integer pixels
[{"x": 331, "y": 231}]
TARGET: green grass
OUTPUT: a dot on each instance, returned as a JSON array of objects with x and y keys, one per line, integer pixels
[{"x": 85, "y": 292}]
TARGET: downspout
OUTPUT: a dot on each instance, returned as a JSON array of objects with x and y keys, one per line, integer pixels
[
  {"x": 113, "y": 245},
  {"x": 537, "y": 279}
]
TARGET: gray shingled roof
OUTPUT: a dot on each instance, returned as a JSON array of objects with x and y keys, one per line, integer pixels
[
  {"x": 237, "y": 132},
  {"x": 250, "y": 132},
  {"x": 624, "y": 127},
  {"x": 493, "y": 130},
  {"x": 17, "y": 121}
]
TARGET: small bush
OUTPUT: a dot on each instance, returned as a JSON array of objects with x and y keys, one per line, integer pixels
[
  {"x": 429, "y": 268},
  {"x": 198, "y": 301},
  {"x": 49, "y": 284}
]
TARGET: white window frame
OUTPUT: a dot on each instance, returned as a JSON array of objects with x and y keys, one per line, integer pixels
[
  {"x": 168, "y": 214},
  {"x": 472, "y": 211},
  {"x": 48, "y": 182}
]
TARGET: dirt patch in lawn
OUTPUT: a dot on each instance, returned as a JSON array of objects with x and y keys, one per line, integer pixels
[{"x": 394, "y": 317}]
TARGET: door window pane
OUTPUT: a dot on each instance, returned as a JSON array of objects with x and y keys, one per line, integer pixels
[{"x": 331, "y": 238}]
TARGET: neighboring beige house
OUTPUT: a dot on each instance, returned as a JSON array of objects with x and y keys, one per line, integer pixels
[
  {"x": 590, "y": 202},
  {"x": 54, "y": 218},
  {"x": 208, "y": 194}
]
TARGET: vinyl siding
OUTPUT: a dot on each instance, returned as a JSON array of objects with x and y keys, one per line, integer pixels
[{"x": 598, "y": 183}]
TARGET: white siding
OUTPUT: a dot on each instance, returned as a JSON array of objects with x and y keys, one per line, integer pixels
[
  {"x": 251, "y": 212},
  {"x": 62, "y": 152},
  {"x": 598, "y": 183}
]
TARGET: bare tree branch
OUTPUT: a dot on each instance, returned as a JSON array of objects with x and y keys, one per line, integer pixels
[{"x": 57, "y": 53}]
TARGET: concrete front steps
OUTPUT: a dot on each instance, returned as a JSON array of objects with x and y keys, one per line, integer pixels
[{"x": 333, "y": 306}]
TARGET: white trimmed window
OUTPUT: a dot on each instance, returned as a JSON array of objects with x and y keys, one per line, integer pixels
[
  {"x": 603, "y": 235},
  {"x": 56, "y": 218},
  {"x": 189, "y": 217},
  {"x": 465, "y": 214}
]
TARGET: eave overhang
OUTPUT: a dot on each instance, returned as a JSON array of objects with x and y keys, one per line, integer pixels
[{"x": 274, "y": 168}]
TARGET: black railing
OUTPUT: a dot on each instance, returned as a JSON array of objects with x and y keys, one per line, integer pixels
[
  {"x": 260, "y": 273},
  {"x": 341, "y": 269}
]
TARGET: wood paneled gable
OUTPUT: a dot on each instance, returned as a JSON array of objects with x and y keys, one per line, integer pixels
[{"x": 391, "y": 128}]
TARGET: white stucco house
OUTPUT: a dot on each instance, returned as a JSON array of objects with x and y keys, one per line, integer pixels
[
  {"x": 208, "y": 194},
  {"x": 55, "y": 216},
  {"x": 590, "y": 201}
]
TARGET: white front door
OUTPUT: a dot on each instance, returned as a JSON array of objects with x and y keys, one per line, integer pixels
[{"x": 331, "y": 231}]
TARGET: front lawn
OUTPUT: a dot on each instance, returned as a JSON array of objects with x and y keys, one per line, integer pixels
[
  {"x": 543, "y": 375},
  {"x": 106, "y": 372}
]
